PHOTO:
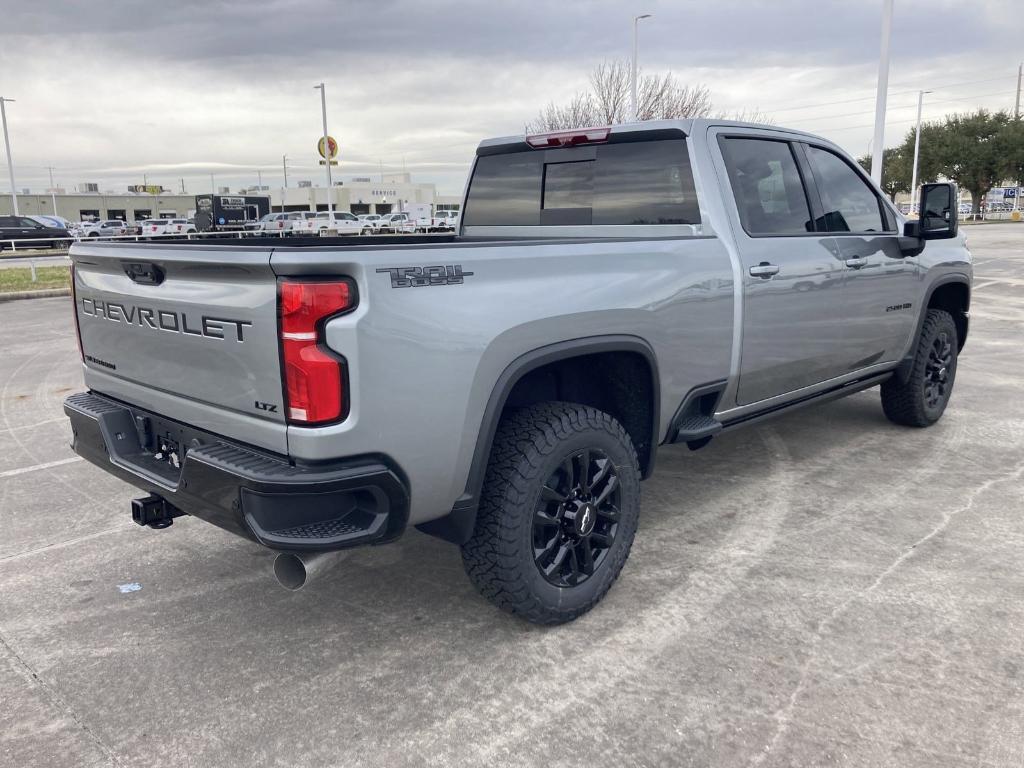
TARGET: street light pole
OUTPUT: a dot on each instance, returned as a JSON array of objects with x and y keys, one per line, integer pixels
[
  {"x": 284, "y": 166},
  {"x": 327, "y": 148},
  {"x": 883, "y": 89},
  {"x": 53, "y": 191},
  {"x": 633, "y": 68},
  {"x": 917, "y": 148},
  {"x": 259, "y": 176},
  {"x": 10, "y": 162}
]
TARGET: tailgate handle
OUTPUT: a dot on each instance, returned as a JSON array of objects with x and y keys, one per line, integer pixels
[{"x": 148, "y": 274}]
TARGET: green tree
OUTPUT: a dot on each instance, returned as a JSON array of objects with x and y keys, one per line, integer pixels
[
  {"x": 978, "y": 150},
  {"x": 896, "y": 169}
]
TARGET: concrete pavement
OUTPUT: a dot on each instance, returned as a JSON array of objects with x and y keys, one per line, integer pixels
[{"x": 823, "y": 589}]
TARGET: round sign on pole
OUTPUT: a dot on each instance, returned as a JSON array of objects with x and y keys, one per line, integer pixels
[{"x": 332, "y": 147}]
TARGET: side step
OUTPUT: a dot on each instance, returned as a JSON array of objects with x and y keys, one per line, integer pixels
[{"x": 696, "y": 428}]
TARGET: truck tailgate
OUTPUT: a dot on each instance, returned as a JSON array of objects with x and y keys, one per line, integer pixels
[{"x": 196, "y": 324}]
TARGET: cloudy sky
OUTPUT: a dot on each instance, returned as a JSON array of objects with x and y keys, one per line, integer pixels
[{"x": 108, "y": 91}]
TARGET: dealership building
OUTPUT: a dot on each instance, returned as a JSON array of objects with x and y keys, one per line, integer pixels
[{"x": 384, "y": 193}]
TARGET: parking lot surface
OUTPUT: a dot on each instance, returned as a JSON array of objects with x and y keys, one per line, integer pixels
[{"x": 823, "y": 589}]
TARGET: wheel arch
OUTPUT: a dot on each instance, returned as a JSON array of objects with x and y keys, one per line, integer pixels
[
  {"x": 457, "y": 525},
  {"x": 951, "y": 293}
]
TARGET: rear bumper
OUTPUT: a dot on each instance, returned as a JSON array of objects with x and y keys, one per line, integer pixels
[{"x": 254, "y": 494}]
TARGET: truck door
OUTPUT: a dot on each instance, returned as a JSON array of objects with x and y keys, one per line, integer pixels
[
  {"x": 792, "y": 333},
  {"x": 882, "y": 287}
]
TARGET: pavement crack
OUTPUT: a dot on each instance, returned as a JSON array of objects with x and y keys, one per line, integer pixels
[
  {"x": 52, "y": 695},
  {"x": 784, "y": 716}
]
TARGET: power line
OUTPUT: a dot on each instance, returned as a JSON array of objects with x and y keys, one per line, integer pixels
[
  {"x": 943, "y": 87},
  {"x": 908, "y": 106}
]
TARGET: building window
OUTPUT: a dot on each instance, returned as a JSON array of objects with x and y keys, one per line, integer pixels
[
  {"x": 141, "y": 213},
  {"x": 89, "y": 215},
  {"x": 116, "y": 213}
]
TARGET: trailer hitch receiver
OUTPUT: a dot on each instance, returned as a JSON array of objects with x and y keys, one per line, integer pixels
[{"x": 154, "y": 511}]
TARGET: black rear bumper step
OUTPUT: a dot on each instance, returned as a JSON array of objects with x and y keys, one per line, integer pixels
[{"x": 261, "y": 496}]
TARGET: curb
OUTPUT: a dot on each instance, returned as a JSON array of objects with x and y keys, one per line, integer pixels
[{"x": 44, "y": 294}]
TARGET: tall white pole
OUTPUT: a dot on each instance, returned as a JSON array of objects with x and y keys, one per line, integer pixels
[
  {"x": 327, "y": 149},
  {"x": 53, "y": 190},
  {"x": 633, "y": 70},
  {"x": 10, "y": 162},
  {"x": 284, "y": 166},
  {"x": 917, "y": 148},
  {"x": 883, "y": 89},
  {"x": 1016, "y": 114}
]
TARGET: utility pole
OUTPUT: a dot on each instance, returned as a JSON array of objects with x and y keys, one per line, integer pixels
[
  {"x": 327, "y": 148},
  {"x": 10, "y": 162},
  {"x": 1016, "y": 106},
  {"x": 917, "y": 148},
  {"x": 259, "y": 176},
  {"x": 883, "y": 89},
  {"x": 284, "y": 166},
  {"x": 53, "y": 192},
  {"x": 1016, "y": 116},
  {"x": 213, "y": 186},
  {"x": 182, "y": 186},
  {"x": 633, "y": 69}
]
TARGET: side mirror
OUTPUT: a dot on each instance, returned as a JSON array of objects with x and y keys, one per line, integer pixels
[{"x": 938, "y": 212}]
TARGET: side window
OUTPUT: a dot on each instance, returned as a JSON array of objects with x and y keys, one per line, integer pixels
[
  {"x": 766, "y": 183},
  {"x": 849, "y": 202}
]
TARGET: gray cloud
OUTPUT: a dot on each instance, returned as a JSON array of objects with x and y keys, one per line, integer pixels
[{"x": 196, "y": 87}]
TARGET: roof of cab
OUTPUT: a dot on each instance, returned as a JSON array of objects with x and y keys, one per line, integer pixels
[{"x": 688, "y": 127}]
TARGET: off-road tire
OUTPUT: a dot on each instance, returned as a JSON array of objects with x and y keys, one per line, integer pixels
[
  {"x": 906, "y": 402},
  {"x": 530, "y": 445}
]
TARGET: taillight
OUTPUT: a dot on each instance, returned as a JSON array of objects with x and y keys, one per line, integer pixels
[
  {"x": 314, "y": 376},
  {"x": 569, "y": 138},
  {"x": 74, "y": 308}
]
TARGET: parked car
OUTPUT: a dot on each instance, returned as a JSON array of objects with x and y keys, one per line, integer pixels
[
  {"x": 278, "y": 223},
  {"x": 155, "y": 227},
  {"x": 396, "y": 223},
  {"x": 342, "y": 222},
  {"x": 19, "y": 228},
  {"x": 508, "y": 389},
  {"x": 303, "y": 222},
  {"x": 445, "y": 221},
  {"x": 59, "y": 222},
  {"x": 256, "y": 227},
  {"x": 179, "y": 227},
  {"x": 106, "y": 228}
]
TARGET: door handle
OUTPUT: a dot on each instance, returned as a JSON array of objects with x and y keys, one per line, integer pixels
[
  {"x": 764, "y": 270},
  {"x": 856, "y": 263}
]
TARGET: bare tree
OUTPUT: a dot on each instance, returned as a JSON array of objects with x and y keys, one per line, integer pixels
[{"x": 607, "y": 102}]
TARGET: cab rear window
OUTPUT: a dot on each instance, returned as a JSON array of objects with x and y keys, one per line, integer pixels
[{"x": 637, "y": 183}]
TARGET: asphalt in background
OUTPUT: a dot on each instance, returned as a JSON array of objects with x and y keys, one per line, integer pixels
[{"x": 824, "y": 589}]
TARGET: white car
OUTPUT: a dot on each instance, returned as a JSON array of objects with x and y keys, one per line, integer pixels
[
  {"x": 279, "y": 223},
  {"x": 107, "y": 228},
  {"x": 396, "y": 222},
  {"x": 303, "y": 222},
  {"x": 342, "y": 223},
  {"x": 445, "y": 221},
  {"x": 179, "y": 227},
  {"x": 373, "y": 219},
  {"x": 154, "y": 227}
]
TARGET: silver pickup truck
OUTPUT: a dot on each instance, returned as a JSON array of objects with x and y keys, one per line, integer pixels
[{"x": 507, "y": 387}]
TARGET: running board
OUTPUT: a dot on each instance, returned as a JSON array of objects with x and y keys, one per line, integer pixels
[{"x": 821, "y": 397}]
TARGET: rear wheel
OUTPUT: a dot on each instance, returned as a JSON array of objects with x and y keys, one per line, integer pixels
[
  {"x": 921, "y": 400},
  {"x": 558, "y": 512}
]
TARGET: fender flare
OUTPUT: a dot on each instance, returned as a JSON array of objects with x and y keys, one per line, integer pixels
[
  {"x": 907, "y": 363},
  {"x": 457, "y": 525}
]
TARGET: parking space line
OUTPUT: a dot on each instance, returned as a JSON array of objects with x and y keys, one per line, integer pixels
[{"x": 45, "y": 465}]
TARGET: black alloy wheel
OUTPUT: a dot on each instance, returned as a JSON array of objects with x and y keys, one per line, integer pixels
[{"x": 577, "y": 518}]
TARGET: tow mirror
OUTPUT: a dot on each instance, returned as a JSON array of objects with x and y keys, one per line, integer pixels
[
  {"x": 938, "y": 218},
  {"x": 938, "y": 211}
]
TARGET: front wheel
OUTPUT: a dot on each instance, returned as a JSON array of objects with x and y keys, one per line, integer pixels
[
  {"x": 921, "y": 400},
  {"x": 558, "y": 512}
]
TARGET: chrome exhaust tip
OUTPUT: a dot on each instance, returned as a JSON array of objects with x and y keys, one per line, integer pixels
[{"x": 294, "y": 570}]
